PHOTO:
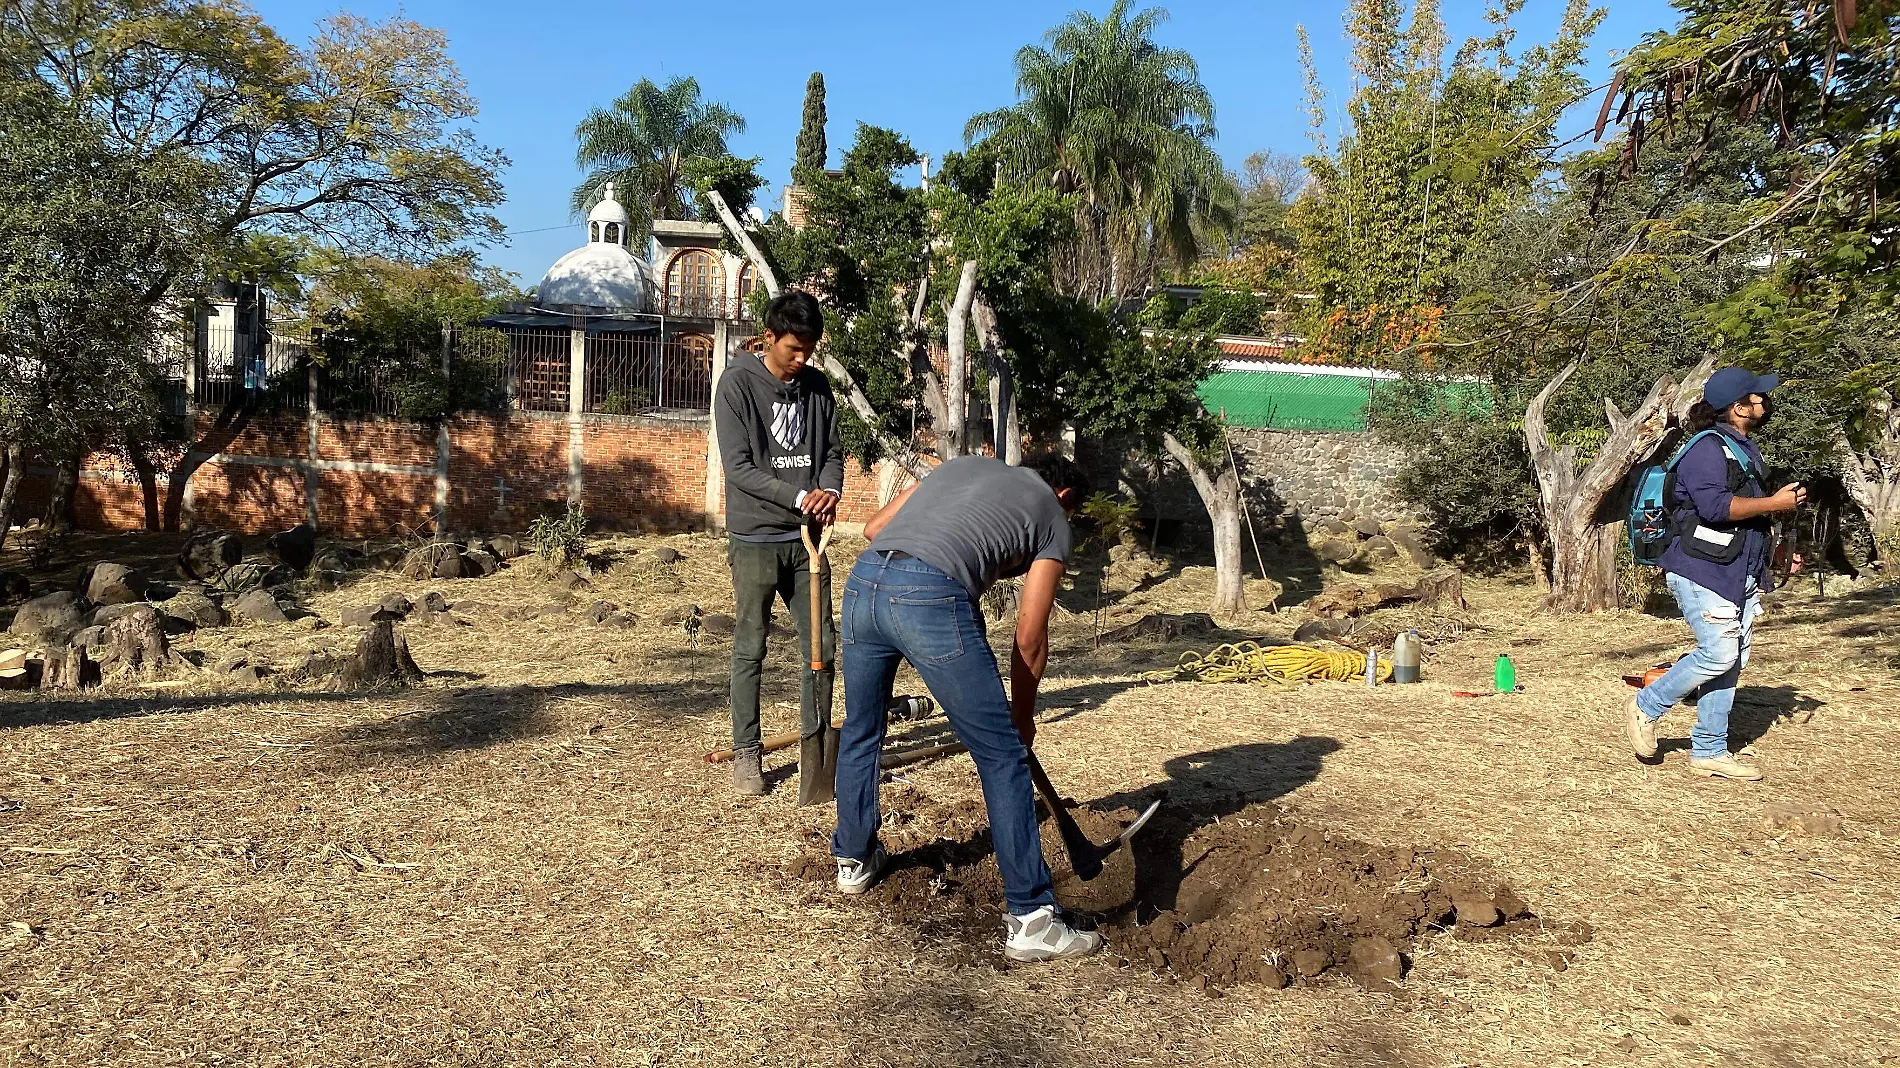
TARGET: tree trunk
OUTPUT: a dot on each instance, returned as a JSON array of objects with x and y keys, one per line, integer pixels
[
  {"x": 60, "y": 503},
  {"x": 10, "y": 492},
  {"x": 853, "y": 394},
  {"x": 1006, "y": 421},
  {"x": 231, "y": 421},
  {"x": 1872, "y": 478},
  {"x": 382, "y": 659},
  {"x": 956, "y": 387},
  {"x": 148, "y": 488},
  {"x": 1582, "y": 538},
  {"x": 1220, "y": 492}
]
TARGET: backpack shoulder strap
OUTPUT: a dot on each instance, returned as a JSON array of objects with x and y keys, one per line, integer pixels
[{"x": 1693, "y": 438}]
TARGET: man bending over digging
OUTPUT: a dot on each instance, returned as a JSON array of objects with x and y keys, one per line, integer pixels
[
  {"x": 778, "y": 442},
  {"x": 916, "y": 594}
]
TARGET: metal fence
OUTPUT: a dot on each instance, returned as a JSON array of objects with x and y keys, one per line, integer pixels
[
  {"x": 523, "y": 368},
  {"x": 632, "y": 373},
  {"x": 271, "y": 367}
]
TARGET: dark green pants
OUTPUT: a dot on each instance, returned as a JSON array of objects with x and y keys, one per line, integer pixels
[{"x": 760, "y": 572}]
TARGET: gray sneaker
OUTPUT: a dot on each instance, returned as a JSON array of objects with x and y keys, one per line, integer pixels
[
  {"x": 856, "y": 876},
  {"x": 748, "y": 772},
  {"x": 1641, "y": 730},
  {"x": 1045, "y": 934}
]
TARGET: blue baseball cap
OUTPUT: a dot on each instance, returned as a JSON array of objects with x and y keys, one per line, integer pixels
[{"x": 1731, "y": 384}]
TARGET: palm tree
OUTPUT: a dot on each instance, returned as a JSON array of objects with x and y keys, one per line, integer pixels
[
  {"x": 1126, "y": 125},
  {"x": 642, "y": 143}
]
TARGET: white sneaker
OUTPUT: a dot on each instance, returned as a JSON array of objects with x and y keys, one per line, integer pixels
[
  {"x": 1045, "y": 934},
  {"x": 856, "y": 876}
]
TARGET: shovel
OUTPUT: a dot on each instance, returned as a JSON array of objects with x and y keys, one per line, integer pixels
[
  {"x": 817, "y": 753},
  {"x": 1085, "y": 857}
]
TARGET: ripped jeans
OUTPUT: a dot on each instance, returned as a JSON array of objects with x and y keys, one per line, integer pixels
[{"x": 1722, "y": 636}]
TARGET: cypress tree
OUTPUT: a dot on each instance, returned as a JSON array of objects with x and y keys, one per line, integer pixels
[{"x": 811, "y": 134}]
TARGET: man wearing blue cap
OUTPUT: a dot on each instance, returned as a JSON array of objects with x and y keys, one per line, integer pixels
[{"x": 1717, "y": 565}]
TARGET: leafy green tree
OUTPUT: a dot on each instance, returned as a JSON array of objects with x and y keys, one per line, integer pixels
[
  {"x": 1816, "y": 83},
  {"x": 862, "y": 247},
  {"x": 86, "y": 232},
  {"x": 1126, "y": 125},
  {"x": 811, "y": 131},
  {"x": 357, "y": 140},
  {"x": 1435, "y": 157},
  {"x": 643, "y": 143}
]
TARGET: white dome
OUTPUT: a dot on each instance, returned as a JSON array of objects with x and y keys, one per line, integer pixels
[
  {"x": 609, "y": 209},
  {"x": 596, "y": 275}
]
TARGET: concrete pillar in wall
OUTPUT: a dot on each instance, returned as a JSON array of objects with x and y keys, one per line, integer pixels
[
  {"x": 311, "y": 479},
  {"x": 442, "y": 448},
  {"x": 715, "y": 471},
  {"x": 576, "y": 405}
]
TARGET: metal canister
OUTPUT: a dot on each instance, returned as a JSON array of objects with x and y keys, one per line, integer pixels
[
  {"x": 1372, "y": 667},
  {"x": 1405, "y": 657}
]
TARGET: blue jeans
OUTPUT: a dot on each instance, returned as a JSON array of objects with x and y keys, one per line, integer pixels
[
  {"x": 1723, "y": 633},
  {"x": 906, "y": 609}
]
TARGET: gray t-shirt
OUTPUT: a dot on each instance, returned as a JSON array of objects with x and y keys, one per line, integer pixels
[{"x": 977, "y": 519}]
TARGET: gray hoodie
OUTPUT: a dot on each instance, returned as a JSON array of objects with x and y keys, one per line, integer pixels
[{"x": 776, "y": 440}]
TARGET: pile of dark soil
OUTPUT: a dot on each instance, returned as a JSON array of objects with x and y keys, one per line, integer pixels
[{"x": 1252, "y": 897}]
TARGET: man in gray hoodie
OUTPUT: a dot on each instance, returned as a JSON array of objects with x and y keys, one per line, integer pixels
[{"x": 777, "y": 423}]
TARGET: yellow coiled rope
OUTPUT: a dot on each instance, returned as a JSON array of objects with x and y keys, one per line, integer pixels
[{"x": 1283, "y": 665}]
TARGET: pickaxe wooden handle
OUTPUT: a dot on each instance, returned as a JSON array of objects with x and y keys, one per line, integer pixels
[{"x": 815, "y": 553}]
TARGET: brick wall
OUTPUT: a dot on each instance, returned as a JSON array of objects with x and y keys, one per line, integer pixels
[{"x": 637, "y": 473}]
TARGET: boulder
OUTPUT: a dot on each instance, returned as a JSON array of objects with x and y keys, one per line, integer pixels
[
  {"x": 718, "y": 624},
  {"x": 479, "y": 564},
  {"x": 673, "y": 617},
  {"x": 89, "y": 637},
  {"x": 395, "y": 604},
  {"x": 571, "y": 580},
  {"x": 360, "y": 616},
  {"x": 1332, "y": 528},
  {"x": 438, "y": 560},
  {"x": 451, "y": 566},
  {"x": 1376, "y": 962},
  {"x": 389, "y": 559},
  {"x": 14, "y": 587},
  {"x": 1322, "y": 630},
  {"x": 113, "y": 584},
  {"x": 664, "y": 555},
  {"x": 1475, "y": 910},
  {"x": 599, "y": 612},
  {"x": 505, "y": 546},
  {"x": 295, "y": 548},
  {"x": 1411, "y": 541},
  {"x": 50, "y": 619},
  {"x": 105, "y": 614},
  {"x": 315, "y": 664},
  {"x": 477, "y": 545},
  {"x": 243, "y": 578},
  {"x": 433, "y": 602},
  {"x": 1367, "y": 526},
  {"x": 207, "y": 554},
  {"x": 1381, "y": 548},
  {"x": 189, "y": 610},
  {"x": 339, "y": 558},
  {"x": 1336, "y": 552},
  {"x": 258, "y": 606}
]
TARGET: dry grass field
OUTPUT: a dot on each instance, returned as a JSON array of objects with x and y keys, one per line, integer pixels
[{"x": 526, "y": 861}]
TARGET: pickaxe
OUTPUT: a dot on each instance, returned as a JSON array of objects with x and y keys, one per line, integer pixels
[{"x": 1085, "y": 857}]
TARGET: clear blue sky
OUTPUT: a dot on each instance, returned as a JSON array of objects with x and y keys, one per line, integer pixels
[{"x": 919, "y": 68}]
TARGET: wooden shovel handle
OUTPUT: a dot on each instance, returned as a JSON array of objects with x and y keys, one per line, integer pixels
[{"x": 815, "y": 555}]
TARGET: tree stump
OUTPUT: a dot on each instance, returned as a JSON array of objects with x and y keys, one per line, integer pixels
[
  {"x": 382, "y": 659},
  {"x": 68, "y": 669},
  {"x": 135, "y": 644},
  {"x": 207, "y": 554}
]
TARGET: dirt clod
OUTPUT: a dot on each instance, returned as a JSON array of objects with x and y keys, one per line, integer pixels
[
  {"x": 1376, "y": 960},
  {"x": 1311, "y": 962},
  {"x": 1475, "y": 911}
]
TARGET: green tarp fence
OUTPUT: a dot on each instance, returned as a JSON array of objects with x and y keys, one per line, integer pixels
[{"x": 1288, "y": 400}]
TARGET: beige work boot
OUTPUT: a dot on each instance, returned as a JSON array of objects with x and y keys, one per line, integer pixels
[
  {"x": 1724, "y": 767},
  {"x": 748, "y": 772},
  {"x": 1641, "y": 730}
]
